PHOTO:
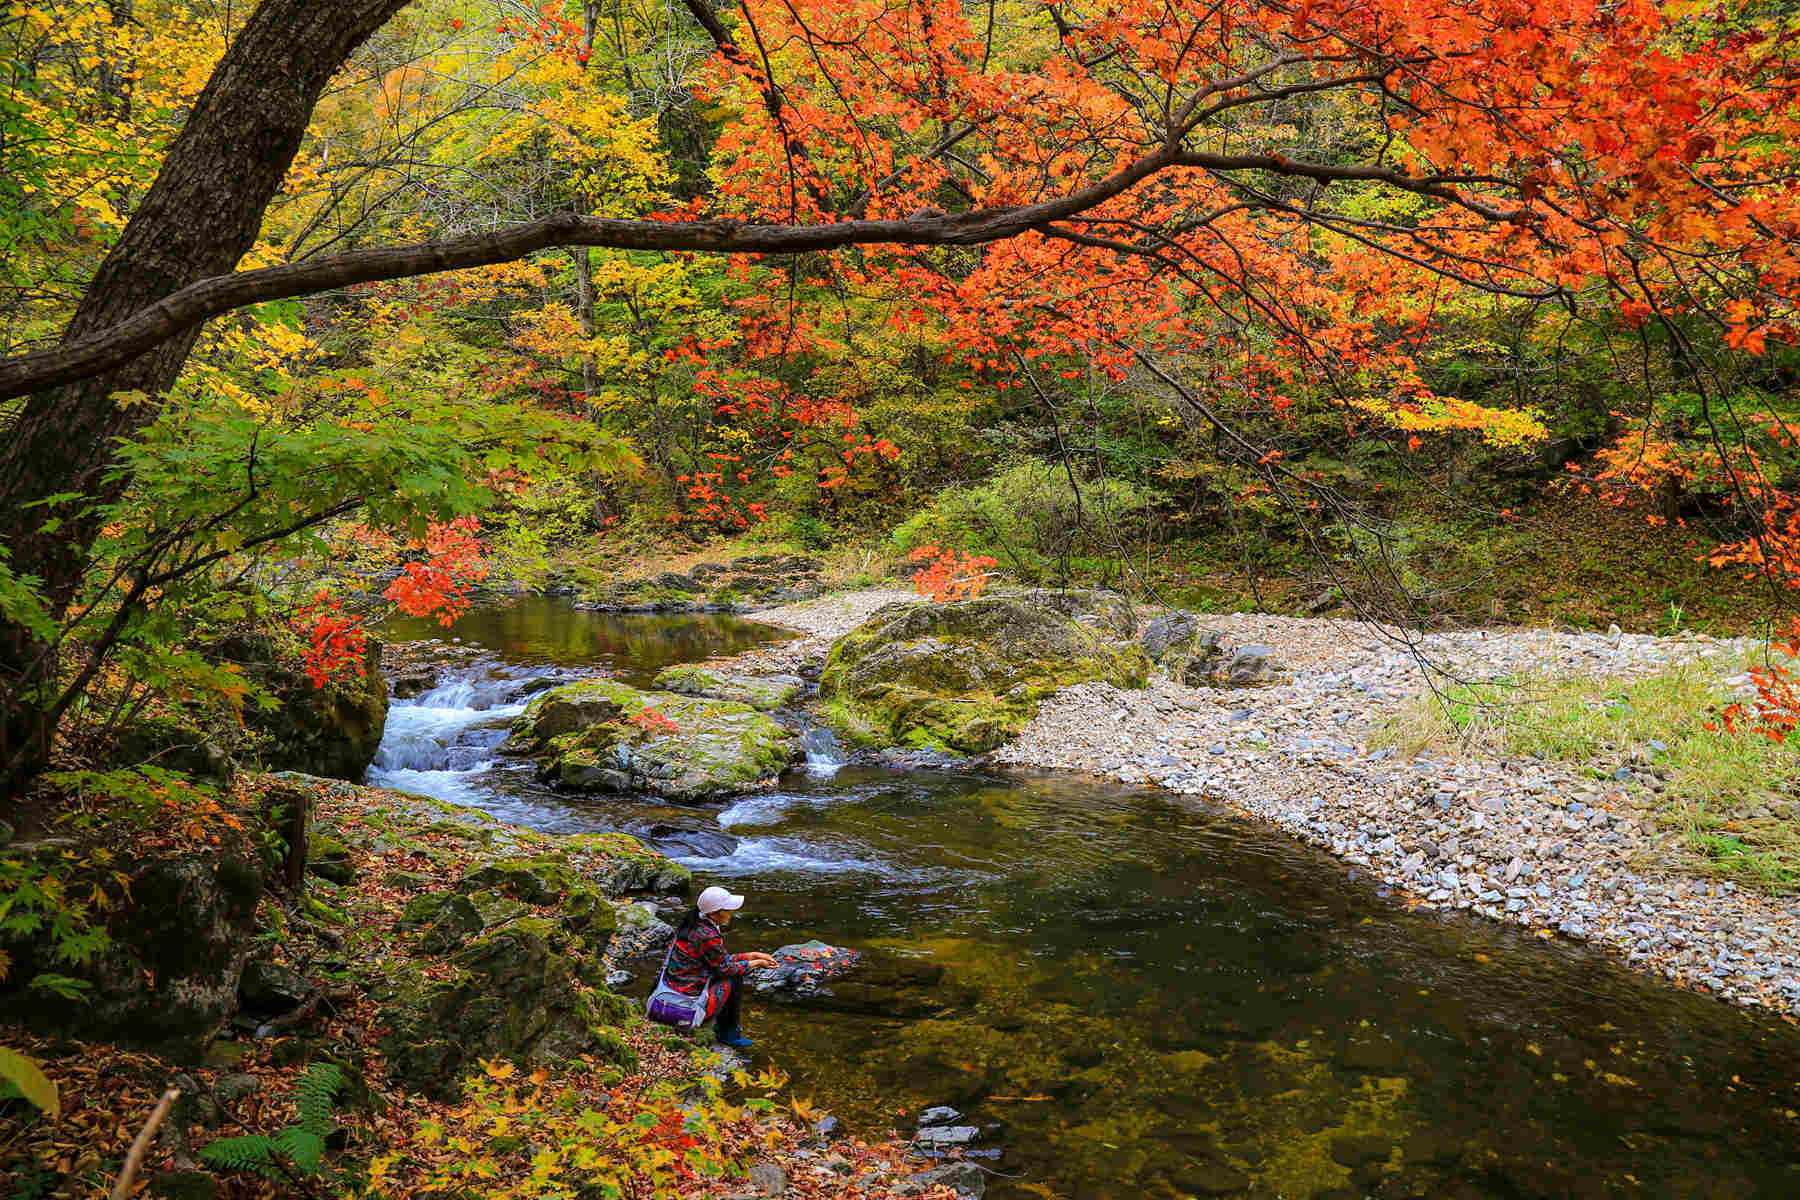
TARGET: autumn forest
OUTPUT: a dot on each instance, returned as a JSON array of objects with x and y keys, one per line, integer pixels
[{"x": 452, "y": 452}]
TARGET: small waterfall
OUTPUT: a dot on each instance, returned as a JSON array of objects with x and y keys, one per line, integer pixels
[
  {"x": 438, "y": 742},
  {"x": 824, "y": 753}
]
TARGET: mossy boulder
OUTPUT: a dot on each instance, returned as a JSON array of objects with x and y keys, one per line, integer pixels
[
  {"x": 167, "y": 978},
  {"x": 331, "y": 731},
  {"x": 522, "y": 992},
  {"x": 602, "y": 736},
  {"x": 538, "y": 880},
  {"x": 761, "y": 692},
  {"x": 329, "y": 858},
  {"x": 963, "y": 676},
  {"x": 1106, "y": 611}
]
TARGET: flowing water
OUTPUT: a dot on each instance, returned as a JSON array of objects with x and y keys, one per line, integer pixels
[{"x": 1134, "y": 996}]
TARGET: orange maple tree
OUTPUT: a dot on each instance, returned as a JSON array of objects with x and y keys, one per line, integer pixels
[
  {"x": 1241, "y": 200},
  {"x": 951, "y": 574},
  {"x": 437, "y": 586}
]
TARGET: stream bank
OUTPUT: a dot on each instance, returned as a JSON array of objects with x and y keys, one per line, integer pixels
[{"x": 1540, "y": 845}]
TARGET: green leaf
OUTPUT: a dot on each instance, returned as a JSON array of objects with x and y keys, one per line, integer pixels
[{"x": 31, "y": 1081}]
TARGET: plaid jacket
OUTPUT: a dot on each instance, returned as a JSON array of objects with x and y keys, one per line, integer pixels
[{"x": 700, "y": 958}]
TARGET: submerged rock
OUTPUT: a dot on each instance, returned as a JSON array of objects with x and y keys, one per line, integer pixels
[
  {"x": 761, "y": 692},
  {"x": 602, "y": 736},
  {"x": 700, "y": 843},
  {"x": 967, "y": 675}
]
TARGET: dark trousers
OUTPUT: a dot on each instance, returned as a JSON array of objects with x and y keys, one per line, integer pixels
[{"x": 726, "y": 1019}]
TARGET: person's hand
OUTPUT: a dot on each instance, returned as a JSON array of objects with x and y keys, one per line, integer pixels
[{"x": 759, "y": 959}]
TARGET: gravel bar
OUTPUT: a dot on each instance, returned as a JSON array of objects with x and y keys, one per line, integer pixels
[{"x": 1529, "y": 842}]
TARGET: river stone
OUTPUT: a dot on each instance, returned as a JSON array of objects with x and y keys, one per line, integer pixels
[
  {"x": 938, "y": 1114},
  {"x": 801, "y": 971},
  {"x": 761, "y": 692},
  {"x": 967, "y": 675},
  {"x": 966, "y": 1179},
  {"x": 1168, "y": 631},
  {"x": 700, "y": 843},
  {"x": 768, "y": 1179},
  {"x": 1247, "y": 664},
  {"x": 587, "y": 740},
  {"x": 941, "y": 1137},
  {"x": 639, "y": 933}
]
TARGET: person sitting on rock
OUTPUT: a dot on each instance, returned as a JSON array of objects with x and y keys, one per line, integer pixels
[{"x": 697, "y": 960}]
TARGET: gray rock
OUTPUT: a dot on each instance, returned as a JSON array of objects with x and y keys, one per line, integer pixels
[
  {"x": 768, "y": 1179},
  {"x": 938, "y": 1114},
  {"x": 966, "y": 1179},
  {"x": 232, "y": 1088},
  {"x": 945, "y": 1136},
  {"x": 269, "y": 989},
  {"x": 1247, "y": 664},
  {"x": 1167, "y": 631}
]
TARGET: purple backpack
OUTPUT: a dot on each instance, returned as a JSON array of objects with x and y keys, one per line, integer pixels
[{"x": 666, "y": 1006}]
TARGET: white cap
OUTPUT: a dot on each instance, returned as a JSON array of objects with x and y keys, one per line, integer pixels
[{"x": 713, "y": 899}]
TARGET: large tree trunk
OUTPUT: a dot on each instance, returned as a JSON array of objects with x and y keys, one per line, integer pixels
[{"x": 199, "y": 217}]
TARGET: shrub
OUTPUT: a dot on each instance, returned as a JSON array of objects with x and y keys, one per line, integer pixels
[{"x": 1034, "y": 520}]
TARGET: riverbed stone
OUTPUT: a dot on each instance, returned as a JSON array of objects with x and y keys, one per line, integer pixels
[
  {"x": 599, "y": 735},
  {"x": 761, "y": 692},
  {"x": 966, "y": 675},
  {"x": 768, "y": 1179}
]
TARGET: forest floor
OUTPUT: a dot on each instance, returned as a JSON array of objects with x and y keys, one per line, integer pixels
[
  {"x": 1564, "y": 782},
  {"x": 657, "y": 1123}
]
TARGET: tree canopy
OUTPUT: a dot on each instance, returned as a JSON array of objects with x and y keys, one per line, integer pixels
[{"x": 1263, "y": 212}]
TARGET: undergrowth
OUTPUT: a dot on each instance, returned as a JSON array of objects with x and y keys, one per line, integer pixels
[{"x": 1734, "y": 799}]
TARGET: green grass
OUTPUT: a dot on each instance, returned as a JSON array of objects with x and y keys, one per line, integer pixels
[{"x": 1735, "y": 799}]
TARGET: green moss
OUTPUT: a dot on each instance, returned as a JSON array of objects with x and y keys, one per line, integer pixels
[
  {"x": 964, "y": 676},
  {"x": 716, "y": 748},
  {"x": 539, "y": 880}
]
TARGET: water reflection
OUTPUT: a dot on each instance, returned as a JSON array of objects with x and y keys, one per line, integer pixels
[{"x": 549, "y": 630}]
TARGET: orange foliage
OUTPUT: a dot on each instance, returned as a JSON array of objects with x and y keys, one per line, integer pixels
[
  {"x": 951, "y": 574},
  {"x": 1632, "y": 157},
  {"x": 437, "y": 587},
  {"x": 1776, "y": 710}
]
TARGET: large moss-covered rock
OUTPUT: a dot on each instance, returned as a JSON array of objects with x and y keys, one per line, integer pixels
[
  {"x": 331, "y": 731},
  {"x": 963, "y": 676},
  {"x": 521, "y": 992},
  {"x": 167, "y": 979},
  {"x": 761, "y": 692},
  {"x": 602, "y": 736}
]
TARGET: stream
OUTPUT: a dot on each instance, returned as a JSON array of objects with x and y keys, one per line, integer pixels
[{"x": 1134, "y": 995}]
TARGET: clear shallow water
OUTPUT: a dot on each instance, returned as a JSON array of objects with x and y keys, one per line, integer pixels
[{"x": 1150, "y": 999}]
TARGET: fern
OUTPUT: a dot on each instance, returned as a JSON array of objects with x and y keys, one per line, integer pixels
[
  {"x": 315, "y": 1095},
  {"x": 301, "y": 1144}
]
